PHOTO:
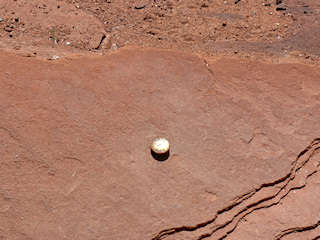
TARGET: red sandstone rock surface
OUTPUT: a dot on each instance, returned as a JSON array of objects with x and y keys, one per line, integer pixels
[{"x": 75, "y": 132}]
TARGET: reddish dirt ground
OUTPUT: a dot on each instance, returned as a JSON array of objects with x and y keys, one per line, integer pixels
[
  {"x": 86, "y": 86},
  {"x": 241, "y": 28}
]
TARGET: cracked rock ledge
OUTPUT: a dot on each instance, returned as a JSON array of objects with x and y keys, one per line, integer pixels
[{"x": 266, "y": 197}]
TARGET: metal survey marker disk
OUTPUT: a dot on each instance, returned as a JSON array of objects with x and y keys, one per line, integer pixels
[{"x": 160, "y": 146}]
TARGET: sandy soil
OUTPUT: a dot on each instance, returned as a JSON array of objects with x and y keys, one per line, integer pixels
[
  {"x": 257, "y": 29},
  {"x": 86, "y": 86}
]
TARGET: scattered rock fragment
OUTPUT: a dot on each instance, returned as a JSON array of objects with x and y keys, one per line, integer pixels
[
  {"x": 281, "y": 7},
  {"x": 162, "y": 37},
  {"x": 245, "y": 130},
  {"x": 140, "y": 5},
  {"x": 95, "y": 40},
  {"x": 106, "y": 43},
  {"x": 120, "y": 43},
  {"x": 8, "y": 29}
]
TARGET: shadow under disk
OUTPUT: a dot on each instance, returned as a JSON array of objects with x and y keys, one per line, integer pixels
[{"x": 160, "y": 157}]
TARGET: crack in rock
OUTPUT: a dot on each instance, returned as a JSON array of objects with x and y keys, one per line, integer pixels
[
  {"x": 74, "y": 159},
  {"x": 296, "y": 229},
  {"x": 227, "y": 219},
  {"x": 10, "y": 133},
  {"x": 208, "y": 68}
]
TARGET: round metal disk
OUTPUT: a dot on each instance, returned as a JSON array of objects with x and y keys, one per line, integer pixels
[{"x": 160, "y": 146}]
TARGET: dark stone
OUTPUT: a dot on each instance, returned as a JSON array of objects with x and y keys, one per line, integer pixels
[{"x": 281, "y": 7}]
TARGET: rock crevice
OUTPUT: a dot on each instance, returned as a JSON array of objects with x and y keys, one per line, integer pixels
[{"x": 267, "y": 195}]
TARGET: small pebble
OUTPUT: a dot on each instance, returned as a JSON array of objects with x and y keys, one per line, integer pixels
[
  {"x": 140, "y": 5},
  {"x": 68, "y": 43},
  {"x": 8, "y": 29},
  {"x": 281, "y": 7}
]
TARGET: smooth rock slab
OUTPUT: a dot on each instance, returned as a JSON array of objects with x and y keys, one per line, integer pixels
[{"x": 75, "y": 136}]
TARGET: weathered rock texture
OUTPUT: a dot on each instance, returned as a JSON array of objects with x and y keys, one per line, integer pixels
[
  {"x": 76, "y": 162},
  {"x": 75, "y": 132}
]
